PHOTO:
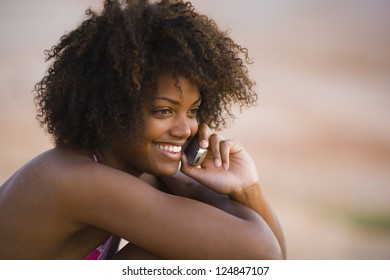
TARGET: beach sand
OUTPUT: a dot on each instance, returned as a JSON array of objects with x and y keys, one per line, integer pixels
[{"x": 320, "y": 134}]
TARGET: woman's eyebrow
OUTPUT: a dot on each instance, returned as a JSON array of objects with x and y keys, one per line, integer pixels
[
  {"x": 197, "y": 101},
  {"x": 173, "y": 101},
  {"x": 176, "y": 102}
]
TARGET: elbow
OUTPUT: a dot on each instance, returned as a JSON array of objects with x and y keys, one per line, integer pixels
[
  {"x": 268, "y": 251},
  {"x": 272, "y": 249},
  {"x": 275, "y": 254},
  {"x": 265, "y": 246}
]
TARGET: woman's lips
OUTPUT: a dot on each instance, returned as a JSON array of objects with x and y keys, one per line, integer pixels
[{"x": 168, "y": 150}]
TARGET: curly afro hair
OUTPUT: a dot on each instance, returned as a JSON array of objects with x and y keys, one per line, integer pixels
[{"x": 97, "y": 83}]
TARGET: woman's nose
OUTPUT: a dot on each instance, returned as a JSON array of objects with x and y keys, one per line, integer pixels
[{"x": 182, "y": 128}]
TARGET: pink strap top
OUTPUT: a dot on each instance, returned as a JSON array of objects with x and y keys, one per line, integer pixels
[{"x": 100, "y": 253}]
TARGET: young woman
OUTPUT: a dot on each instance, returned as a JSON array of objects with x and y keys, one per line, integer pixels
[{"x": 125, "y": 93}]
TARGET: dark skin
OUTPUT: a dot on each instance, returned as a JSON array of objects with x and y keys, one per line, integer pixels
[{"x": 62, "y": 204}]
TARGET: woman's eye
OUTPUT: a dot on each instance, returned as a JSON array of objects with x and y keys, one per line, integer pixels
[
  {"x": 194, "y": 112},
  {"x": 162, "y": 112}
]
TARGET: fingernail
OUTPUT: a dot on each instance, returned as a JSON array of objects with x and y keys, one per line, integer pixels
[
  {"x": 204, "y": 144},
  {"x": 217, "y": 162},
  {"x": 225, "y": 166}
]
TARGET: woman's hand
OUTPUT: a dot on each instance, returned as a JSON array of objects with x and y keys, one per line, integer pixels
[{"x": 227, "y": 168}]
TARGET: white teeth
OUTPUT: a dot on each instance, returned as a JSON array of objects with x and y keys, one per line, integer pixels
[{"x": 169, "y": 148}]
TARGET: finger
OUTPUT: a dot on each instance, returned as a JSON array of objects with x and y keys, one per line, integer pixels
[
  {"x": 215, "y": 140},
  {"x": 189, "y": 170},
  {"x": 225, "y": 148},
  {"x": 204, "y": 133}
]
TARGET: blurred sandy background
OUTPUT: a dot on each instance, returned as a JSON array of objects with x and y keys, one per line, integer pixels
[{"x": 320, "y": 134}]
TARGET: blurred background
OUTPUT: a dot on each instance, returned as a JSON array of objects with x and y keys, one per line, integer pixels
[{"x": 320, "y": 134}]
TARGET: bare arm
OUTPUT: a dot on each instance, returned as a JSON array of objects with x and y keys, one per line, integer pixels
[
  {"x": 252, "y": 198},
  {"x": 168, "y": 226}
]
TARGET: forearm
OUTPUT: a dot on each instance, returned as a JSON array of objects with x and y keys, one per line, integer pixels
[
  {"x": 253, "y": 198},
  {"x": 220, "y": 201},
  {"x": 184, "y": 186}
]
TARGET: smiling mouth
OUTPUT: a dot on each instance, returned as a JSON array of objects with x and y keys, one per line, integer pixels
[{"x": 169, "y": 148}]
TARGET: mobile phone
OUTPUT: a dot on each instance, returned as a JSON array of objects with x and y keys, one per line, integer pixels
[{"x": 194, "y": 153}]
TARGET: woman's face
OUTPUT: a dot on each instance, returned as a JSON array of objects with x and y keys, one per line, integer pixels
[{"x": 168, "y": 122}]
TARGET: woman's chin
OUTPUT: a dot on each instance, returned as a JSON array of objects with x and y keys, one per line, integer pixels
[{"x": 167, "y": 170}]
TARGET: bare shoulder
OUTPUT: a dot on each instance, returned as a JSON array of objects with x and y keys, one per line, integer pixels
[
  {"x": 77, "y": 179},
  {"x": 90, "y": 192},
  {"x": 65, "y": 180}
]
